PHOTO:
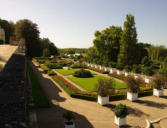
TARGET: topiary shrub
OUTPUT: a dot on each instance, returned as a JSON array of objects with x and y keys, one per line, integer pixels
[
  {"x": 133, "y": 85},
  {"x": 104, "y": 87},
  {"x": 158, "y": 82},
  {"x": 83, "y": 74},
  {"x": 148, "y": 71},
  {"x": 121, "y": 111}
]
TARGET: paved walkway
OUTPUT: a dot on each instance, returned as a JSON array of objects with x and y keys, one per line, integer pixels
[
  {"x": 6, "y": 52},
  {"x": 92, "y": 115}
]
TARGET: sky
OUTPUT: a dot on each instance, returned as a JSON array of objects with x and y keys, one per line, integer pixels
[{"x": 72, "y": 23}]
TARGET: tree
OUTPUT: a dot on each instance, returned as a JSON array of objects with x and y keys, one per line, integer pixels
[
  {"x": 107, "y": 43},
  {"x": 28, "y": 30},
  {"x": 9, "y": 29},
  {"x": 46, "y": 43},
  {"x": 46, "y": 52},
  {"x": 128, "y": 42}
]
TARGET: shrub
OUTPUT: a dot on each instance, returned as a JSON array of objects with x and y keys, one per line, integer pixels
[
  {"x": 51, "y": 73},
  {"x": 133, "y": 85},
  {"x": 105, "y": 72},
  {"x": 120, "y": 67},
  {"x": 41, "y": 61},
  {"x": 112, "y": 64},
  {"x": 104, "y": 87},
  {"x": 121, "y": 111},
  {"x": 83, "y": 74},
  {"x": 128, "y": 68},
  {"x": 54, "y": 66},
  {"x": 158, "y": 81},
  {"x": 146, "y": 62},
  {"x": 53, "y": 61},
  {"x": 136, "y": 69},
  {"x": 68, "y": 116},
  {"x": 148, "y": 71},
  {"x": 78, "y": 66},
  {"x": 163, "y": 71}
]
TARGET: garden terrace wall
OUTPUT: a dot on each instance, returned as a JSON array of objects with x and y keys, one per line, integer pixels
[{"x": 13, "y": 93}]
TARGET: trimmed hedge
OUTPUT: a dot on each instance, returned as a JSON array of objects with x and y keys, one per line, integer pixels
[
  {"x": 54, "y": 66},
  {"x": 78, "y": 66},
  {"x": 83, "y": 74}
]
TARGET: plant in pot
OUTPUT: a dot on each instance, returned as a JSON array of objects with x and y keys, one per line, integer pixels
[
  {"x": 133, "y": 86},
  {"x": 104, "y": 88},
  {"x": 158, "y": 83},
  {"x": 69, "y": 117},
  {"x": 120, "y": 114}
]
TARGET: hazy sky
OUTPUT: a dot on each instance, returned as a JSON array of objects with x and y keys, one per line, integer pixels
[{"x": 72, "y": 23}]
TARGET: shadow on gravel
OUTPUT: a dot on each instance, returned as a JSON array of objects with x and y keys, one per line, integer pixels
[
  {"x": 151, "y": 104},
  {"x": 131, "y": 111}
]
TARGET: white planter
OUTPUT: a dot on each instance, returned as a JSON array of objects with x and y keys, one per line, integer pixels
[
  {"x": 111, "y": 71},
  {"x": 126, "y": 74},
  {"x": 119, "y": 72},
  {"x": 136, "y": 76},
  {"x": 132, "y": 96},
  {"x": 103, "y": 100},
  {"x": 96, "y": 66},
  {"x": 100, "y": 67},
  {"x": 120, "y": 121},
  {"x": 70, "y": 125},
  {"x": 157, "y": 92},
  {"x": 88, "y": 64},
  {"x": 105, "y": 69},
  {"x": 147, "y": 80}
]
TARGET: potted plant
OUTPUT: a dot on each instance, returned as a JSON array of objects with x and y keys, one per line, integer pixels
[
  {"x": 120, "y": 114},
  {"x": 69, "y": 117},
  {"x": 133, "y": 86},
  {"x": 158, "y": 83},
  {"x": 104, "y": 87}
]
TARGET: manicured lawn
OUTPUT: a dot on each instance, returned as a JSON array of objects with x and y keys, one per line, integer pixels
[
  {"x": 68, "y": 72},
  {"x": 89, "y": 83}
]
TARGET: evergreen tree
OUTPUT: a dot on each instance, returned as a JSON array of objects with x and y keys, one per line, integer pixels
[{"x": 128, "y": 48}]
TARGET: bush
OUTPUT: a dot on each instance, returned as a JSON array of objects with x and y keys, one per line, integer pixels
[
  {"x": 105, "y": 72},
  {"x": 54, "y": 66},
  {"x": 148, "y": 71},
  {"x": 163, "y": 71},
  {"x": 120, "y": 67},
  {"x": 121, "y": 111},
  {"x": 78, "y": 66},
  {"x": 83, "y": 74},
  {"x": 112, "y": 64},
  {"x": 146, "y": 62},
  {"x": 128, "y": 68},
  {"x": 68, "y": 116},
  {"x": 104, "y": 87},
  {"x": 133, "y": 85},
  {"x": 53, "y": 61},
  {"x": 41, "y": 61},
  {"x": 51, "y": 73},
  {"x": 136, "y": 69},
  {"x": 158, "y": 81}
]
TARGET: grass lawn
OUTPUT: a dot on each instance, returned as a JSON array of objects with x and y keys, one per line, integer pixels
[
  {"x": 89, "y": 83},
  {"x": 68, "y": 72}
]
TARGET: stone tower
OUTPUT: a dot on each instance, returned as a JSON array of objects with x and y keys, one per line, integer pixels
[{"x": 2, "y": 34}]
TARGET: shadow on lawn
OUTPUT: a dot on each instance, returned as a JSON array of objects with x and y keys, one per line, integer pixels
[
  {"x": 52, "y": 117},
  {"x": 151, "y": 104}
]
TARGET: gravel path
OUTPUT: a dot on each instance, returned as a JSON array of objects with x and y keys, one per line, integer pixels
[{"x": 92, "y": 115}]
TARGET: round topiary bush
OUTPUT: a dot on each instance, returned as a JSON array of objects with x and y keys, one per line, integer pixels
[
  {"x": 121, "y": 111},
  {"x": 83, "y": 74}
]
